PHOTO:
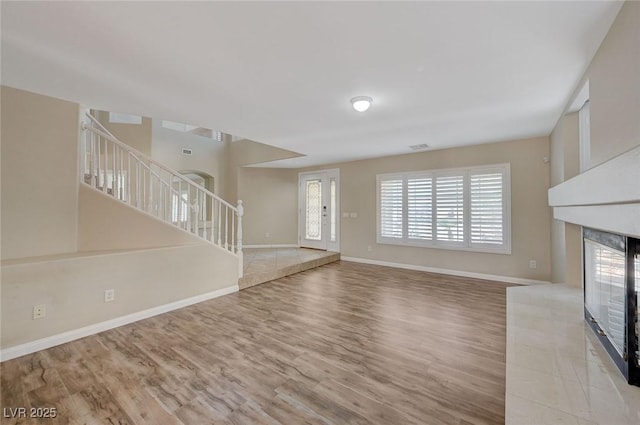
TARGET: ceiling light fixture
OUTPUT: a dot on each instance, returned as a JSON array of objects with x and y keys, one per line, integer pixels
[{"x": 361, "y": 103}]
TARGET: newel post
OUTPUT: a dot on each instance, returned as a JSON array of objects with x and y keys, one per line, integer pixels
[{"x": 239, "y": 245}]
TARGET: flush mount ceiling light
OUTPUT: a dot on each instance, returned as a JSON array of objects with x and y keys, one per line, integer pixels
[{"x": 361, "y": 103}]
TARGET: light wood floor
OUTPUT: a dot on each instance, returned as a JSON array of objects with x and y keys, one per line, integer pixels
[{"x": 344, "y": 343}]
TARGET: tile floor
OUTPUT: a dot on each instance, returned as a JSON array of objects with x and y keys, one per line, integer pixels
[
  {"x": 557, "y": 371},
  {"x": 264, "y": 264}
]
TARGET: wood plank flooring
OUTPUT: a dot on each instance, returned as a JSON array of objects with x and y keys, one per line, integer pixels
[{"x": 344, "y": 343}]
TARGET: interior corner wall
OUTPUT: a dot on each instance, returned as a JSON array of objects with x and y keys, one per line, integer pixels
[
  {"x": 208, "y": 156},
  {"x": 573, "y": 243},
  {"x": 572, "y": 233},
  {"x": 270, "y": 199},
  {"x": 247, "y": 152},
  {"x": 614, "y": 88},
  {"x": 564, "y": 164},
  {"x": 571, "y": 145},
  {"x": 138, "y": 136},
  {"x": 558, "y": 252},
  {"x": 39, "y": 174}
]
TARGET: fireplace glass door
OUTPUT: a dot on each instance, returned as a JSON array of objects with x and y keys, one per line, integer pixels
[
  {"x": 611, "y": 282},
  {"x": 636, "y": 267},
  {"x": 605, "y": 290}
]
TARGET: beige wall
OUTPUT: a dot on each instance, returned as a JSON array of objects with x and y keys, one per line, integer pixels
[
  {"x": 572, "y": 233},
  {"x": 138, "y": 136},
  {"x": 556, "y": 176},
  {"x": 571, "y": 146},
  {"x": 614, "y": 87},
  {"x": 247, "y": 152},
  {"x": 614, "y": 93},
  {"x": 558, "y": 252},
  {"x": 270, "y": 198},
  {"x": 72, "y": 289},
  {"x": 573, "y": 242},
  {"x": 564, "y": 164},
  {"x": 107, "y": 224},
  {"x": 209, "y": 156},
  {"x": 39, "y": 174},
  {"x": 531, "y": 218}
]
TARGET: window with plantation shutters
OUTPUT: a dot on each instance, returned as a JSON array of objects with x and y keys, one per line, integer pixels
[
  {"x": 420, "y": 209},
  {"x": 466, "y": 209},
  {"x": 487, "y": 208},
  {"x": 450, "y": 208},
  {"x": 391, "y": 208}
]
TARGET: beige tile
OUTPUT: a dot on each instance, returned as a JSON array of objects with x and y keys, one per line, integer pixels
[
  {"x": 265, "y": 264},
  {"x": 520, "y": 411},
  {"x": 557, "y": 371},
  {"x": 548, "y": 390},
  {"x": 611, "y": 407},
  {"x": 545, "y": 360}
]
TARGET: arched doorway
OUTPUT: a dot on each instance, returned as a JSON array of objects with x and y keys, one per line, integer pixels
[
  {"x": 186, "y": 201},
  {"x": 201, "y": 178}
]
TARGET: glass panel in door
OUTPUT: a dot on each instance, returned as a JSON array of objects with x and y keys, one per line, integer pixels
[{"x": 313, "y": 210}]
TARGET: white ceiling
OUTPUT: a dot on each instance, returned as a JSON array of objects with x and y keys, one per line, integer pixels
[{"x": 441, "y": 73}]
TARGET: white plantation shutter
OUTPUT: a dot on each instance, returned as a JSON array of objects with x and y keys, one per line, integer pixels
[
  {"x": 450, "y": 208},
  {"x": 487, "y": 208},
  {"x": 420, "y": 208},
  {"x": 467, "y": 209},
  {"x": 391, "y": 208}
]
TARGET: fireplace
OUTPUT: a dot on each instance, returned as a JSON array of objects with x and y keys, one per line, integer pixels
[{"x": 611, "y": 283}]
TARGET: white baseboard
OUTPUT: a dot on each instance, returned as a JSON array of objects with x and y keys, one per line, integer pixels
[
  {"x": 497, "y": 278},
  {"x": 283, "y": 245},
  {"x": 52, "y": 341}
]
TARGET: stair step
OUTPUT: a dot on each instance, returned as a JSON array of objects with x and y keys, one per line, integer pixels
[{"x": 252, "y": 279}]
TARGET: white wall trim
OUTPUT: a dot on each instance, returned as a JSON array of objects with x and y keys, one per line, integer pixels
[
  {"x": 52, "y": 341},
  {"x": 282, "y": 245},
  {"x": 493, "y": 277}
]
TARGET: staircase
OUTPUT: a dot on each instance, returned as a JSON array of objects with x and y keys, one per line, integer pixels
[{"x": 129, "y": 176}]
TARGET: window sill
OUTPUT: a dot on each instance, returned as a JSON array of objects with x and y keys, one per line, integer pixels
[{"x": 445, "y": 246}]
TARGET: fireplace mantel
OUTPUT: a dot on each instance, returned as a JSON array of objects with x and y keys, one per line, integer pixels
[{"x": 605, "y": 197}]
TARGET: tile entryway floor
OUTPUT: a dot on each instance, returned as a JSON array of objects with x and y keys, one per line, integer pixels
[{"x": 266, "y": 264}]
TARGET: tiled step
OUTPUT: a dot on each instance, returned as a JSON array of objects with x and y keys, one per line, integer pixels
[{"x": 270, "y": 270}]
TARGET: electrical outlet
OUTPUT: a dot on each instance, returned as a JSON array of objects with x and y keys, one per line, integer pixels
[
  {"x": 39, "y": 311},
  {"x": 533, "y": 264},
  {"x": 267, "y": 234},
  {"x": 369, "y": 248},
  {"x": 109, "y": 295}
]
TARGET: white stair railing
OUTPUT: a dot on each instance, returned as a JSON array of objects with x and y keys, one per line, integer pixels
[{"x": 118, "y": 170}]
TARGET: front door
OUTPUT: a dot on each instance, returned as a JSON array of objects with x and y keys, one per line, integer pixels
[{"x": 319, "y": 210}]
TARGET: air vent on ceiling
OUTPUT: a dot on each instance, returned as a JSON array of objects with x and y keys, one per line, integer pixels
[
  {"x": 186, "y": 151},
  {"x": 419, "y": 147}
]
